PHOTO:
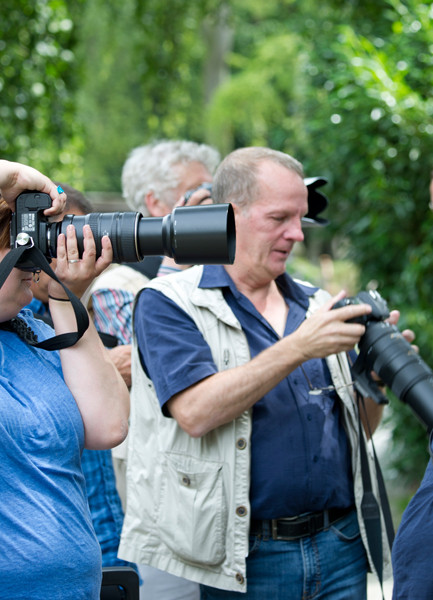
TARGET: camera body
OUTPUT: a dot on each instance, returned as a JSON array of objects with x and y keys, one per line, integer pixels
[
  {"x": 385, "y": 351},
  {"x": 191, "y": 235},
  {"x": 28, "y": 220},
  {"x": 378, "y": 305}
]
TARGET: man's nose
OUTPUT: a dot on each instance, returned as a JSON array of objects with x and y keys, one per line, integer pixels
[{"x": 294, "y": 231}]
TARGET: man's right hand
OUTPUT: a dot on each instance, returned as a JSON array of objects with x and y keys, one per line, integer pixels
[{"x": 327, "y": 332}]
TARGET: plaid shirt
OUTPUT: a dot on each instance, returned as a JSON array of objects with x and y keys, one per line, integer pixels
[{"x": 112, "y": 313}]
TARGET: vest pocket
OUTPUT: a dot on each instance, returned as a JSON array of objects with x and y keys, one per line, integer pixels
[{"x": 192, "y": 516}]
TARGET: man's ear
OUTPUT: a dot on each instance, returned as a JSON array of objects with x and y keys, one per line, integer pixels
[{"x": 155, "y": 207}]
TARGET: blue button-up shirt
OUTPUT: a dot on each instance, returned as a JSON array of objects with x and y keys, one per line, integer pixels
[{"x": 300, "y": 454}]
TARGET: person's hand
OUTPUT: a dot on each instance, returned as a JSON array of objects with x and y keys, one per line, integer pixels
[
  {"x": 16, "y": 178},
  {"x": 121, "y": 356},
  {"x": 327, "y": 331},
  {"x": 76, "y": 273},
  {"x": 408, "y": 334},
  {"x": 201, "y": 195}
]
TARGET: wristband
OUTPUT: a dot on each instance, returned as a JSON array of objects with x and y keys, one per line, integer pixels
[{"x": 58, "y": 299}]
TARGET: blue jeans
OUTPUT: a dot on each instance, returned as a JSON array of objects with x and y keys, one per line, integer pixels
[{"x": 331, "y": 564}]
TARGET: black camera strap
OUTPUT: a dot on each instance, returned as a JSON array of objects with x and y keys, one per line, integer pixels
[
  {"x": 37, "y": 258},
  {"x": 369, "y": 506}
]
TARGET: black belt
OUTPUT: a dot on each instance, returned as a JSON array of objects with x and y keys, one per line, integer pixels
[{"x": 293, "y": 528}]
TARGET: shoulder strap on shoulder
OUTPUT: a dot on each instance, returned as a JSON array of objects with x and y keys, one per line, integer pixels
[{"x": 35, "y": 256}]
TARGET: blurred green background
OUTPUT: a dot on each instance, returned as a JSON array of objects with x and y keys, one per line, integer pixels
[{"x": 344, "y": 86}]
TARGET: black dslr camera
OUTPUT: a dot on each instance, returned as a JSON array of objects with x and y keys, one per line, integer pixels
[
  {"x": 384, "y": 350},
  {"x": 190, "y": 235}
]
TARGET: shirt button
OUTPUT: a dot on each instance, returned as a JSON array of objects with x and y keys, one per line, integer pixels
[
  {"x": 315, "y": 458},
  {"x": 240, "y": 578},
  {"x": 241, "y": 444},
  {"x": 241, "y": 511},
  {"x": 309, "y": 417}
]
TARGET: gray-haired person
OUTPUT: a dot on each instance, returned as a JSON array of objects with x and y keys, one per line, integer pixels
[{"x": 155, "y": 178}]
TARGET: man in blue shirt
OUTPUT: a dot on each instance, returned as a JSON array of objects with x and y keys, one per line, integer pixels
[{"x": 235, "y": 358}]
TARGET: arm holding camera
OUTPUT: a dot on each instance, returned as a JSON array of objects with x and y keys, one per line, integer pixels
[
  {"x": 225, "y": 395},
  {"x": 16, "y": 178},
  {"x": 95, "y": 383}
]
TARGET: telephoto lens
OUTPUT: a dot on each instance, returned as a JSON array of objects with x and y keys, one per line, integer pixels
[
  {"x": 190, "y": 235},
  {"x": 386, "y": 352}
]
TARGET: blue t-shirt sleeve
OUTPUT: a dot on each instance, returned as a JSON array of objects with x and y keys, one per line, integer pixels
[{"x": 172, "y": 349}]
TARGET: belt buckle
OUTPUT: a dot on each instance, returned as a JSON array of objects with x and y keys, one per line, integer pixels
[
  {"x": 312, "y": 528},
  {"x": 274, "y": 530},
  {"x": 282, "y": 538}
]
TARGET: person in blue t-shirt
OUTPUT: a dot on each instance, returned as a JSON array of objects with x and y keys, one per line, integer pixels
[
  {"x": 104, "y": 501},
  {"x": 52, "y": 405}
]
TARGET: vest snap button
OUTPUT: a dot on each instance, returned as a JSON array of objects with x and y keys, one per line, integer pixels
[
  {"x": 240, "y": 578},
  {"x": 241, "y": 443},
  {"x": 186, "y": 481},
  {"x": 241, "y": 511}
]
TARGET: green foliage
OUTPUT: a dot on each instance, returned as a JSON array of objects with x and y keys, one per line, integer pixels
[
  {"x": 142, "y": 66},
  {"x": 256, "y": 106},
  {"x": 37, "y": 84}
]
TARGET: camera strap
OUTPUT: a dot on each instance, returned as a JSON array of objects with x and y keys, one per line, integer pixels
[
  {"x": 369, "y": 506},
  {"x": 37, "y": 258}
]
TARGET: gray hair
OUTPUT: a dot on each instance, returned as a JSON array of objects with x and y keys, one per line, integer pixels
[
  {"x": 236, "y": 178},
  {"x": 150, "y": 168}
]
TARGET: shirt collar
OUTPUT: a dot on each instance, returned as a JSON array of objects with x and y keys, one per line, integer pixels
[{"x": 215, "y": 276}]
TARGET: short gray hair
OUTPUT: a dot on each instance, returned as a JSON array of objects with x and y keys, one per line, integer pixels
[
  {"x": 236, "y": 178},
  {"x": 150, "y": 168}
]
